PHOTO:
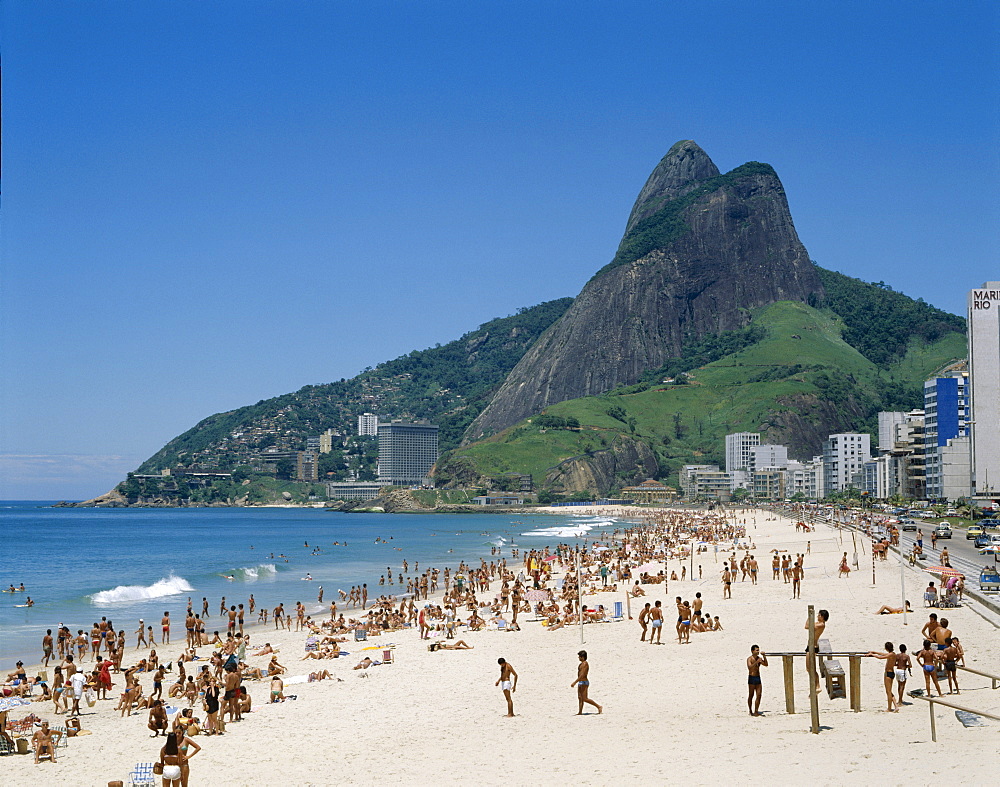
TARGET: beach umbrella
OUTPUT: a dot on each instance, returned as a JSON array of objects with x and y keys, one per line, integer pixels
[
  {"x": 550, "y": 558},
  {"x": 649, "y": 568},
  {"x": 945, "y": 571},
  {"x": 9, "y": 703},
  {"x": 536, "y": 595}
]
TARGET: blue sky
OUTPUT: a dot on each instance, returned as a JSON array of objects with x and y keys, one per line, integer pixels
[{"x": 208, "y": 204}]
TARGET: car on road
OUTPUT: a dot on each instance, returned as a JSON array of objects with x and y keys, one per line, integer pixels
[
  {"x": 973, "y": 531},
  {"x": 942, "y": 531},
  {"x": 907, "y": 524},
  {"x": 989, "y": 524},
  {"x": 982, "y": 540}
]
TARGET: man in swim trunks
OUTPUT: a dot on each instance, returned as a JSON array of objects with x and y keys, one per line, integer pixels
[
  {"x": 582, "y": 684},
  {"x": 165, "y": 625},
  {"x": 643, "y": 617},
  {"x": 727, "y": 583},
  {"x": 950, "y": 658},
  {"x": 903, "y": 669},
  {"x": 889, "y": 673},
  {"x": 507, "y": 672},
  {"x": 755, "y": 689},
  {"x": 656, "y": 621},
  {"x": 47, "y": 647}
]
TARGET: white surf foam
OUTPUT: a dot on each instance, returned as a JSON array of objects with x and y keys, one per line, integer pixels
[
  {"x": 572, "y": 531},
  {"x": 168, "y": 586},
  {"x": 251, "y": 573}
]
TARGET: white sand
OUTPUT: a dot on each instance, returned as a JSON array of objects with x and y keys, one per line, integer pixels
[{"x": 673, "y": 713}]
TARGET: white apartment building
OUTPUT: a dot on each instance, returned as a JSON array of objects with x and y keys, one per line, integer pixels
[
  {"x": 739, "y": 450},
  {"x": 887, "y": 422},
  {"x": 984, "y": 393},
  {"x": 368, "y": 424},
  {"x": 768, "y": 456},
  {"x": 843, "y": 456}
]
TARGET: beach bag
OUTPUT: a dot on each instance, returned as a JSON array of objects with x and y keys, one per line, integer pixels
[
  {"x": 158, "y": 768},
  {"x": 90, "y": 697}
]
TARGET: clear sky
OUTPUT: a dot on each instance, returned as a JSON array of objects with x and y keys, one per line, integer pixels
[{"x": 209, "y": 204}]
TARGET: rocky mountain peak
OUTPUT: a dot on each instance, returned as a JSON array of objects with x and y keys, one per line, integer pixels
[{"x": 678, "y": 172}]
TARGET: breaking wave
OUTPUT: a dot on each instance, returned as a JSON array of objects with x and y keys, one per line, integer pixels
[
  {"x": 168, "y": 586},
  {"x": 251, "y": 573}
]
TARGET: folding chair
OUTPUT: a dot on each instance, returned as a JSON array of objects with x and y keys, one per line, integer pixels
[
  {"x": 6, "y": 747},
  {"x": 63, "y": 739},
  {"x": 142, "y": 775},
  {"x": 619, "y": 613},
  {"x": 387, "y": 656},
  {"x": 360, "y": 635}
]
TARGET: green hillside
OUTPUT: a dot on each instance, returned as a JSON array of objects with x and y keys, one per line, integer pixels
[
  {"x": 797, "y": 381},
  {"x": 448, "y": 384}
]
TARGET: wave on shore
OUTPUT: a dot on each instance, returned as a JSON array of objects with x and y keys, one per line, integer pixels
[
  {"x": 573, "y": 530},
  {"x": 168, "y": 586},
  {"x": 252, "y": 573}
]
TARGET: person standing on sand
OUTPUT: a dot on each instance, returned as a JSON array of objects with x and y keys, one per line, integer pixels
[
  {"x": 819, "y": 626},
  {"x": 797, "y": 581},
  {"x": 165, "y": 625},
  {"x": 904, "y": 668},
  {"x": 889, "y": 674},
  {"x": 656, "y": 621},
  {"x": 927, "y": 658},
  {"x": 47, "y": 647},
  {"x": 755, "y": 689},
  {"x": 727, "y": 583},
  {"x": 504, "y": 682},
  {"x": 582, "y": 684},
  {"x": 643, "y": 617}
]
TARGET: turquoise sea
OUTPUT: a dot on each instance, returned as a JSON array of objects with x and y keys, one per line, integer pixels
[{"x": 79, "y": 564}]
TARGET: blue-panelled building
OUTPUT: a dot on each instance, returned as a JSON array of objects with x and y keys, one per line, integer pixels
[{"x": 946, "y": 432}]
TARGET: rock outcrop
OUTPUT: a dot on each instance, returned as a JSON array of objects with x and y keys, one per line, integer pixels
[
  {"x": 700, "y": 250},
  {"x": 627, "y": 461}
]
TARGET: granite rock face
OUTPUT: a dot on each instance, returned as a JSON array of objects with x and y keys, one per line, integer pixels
[{"x": 700, "y": 250}]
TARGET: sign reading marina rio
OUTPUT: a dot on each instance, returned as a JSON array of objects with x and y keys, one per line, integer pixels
[{"x": 981, "y": 298}]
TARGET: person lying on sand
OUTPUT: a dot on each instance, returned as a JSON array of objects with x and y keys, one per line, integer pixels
[
  {"x": 365, "y": 663},
  {"x": 459, "y": 645},
  {"x": 266, "y": 650},
  {"x": 885, "y": 609}
]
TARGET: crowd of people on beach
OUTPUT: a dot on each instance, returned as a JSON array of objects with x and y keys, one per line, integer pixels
[{"x": 208, "y": 680}]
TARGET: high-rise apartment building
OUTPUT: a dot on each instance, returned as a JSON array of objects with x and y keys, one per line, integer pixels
[
  {"x": 368, "y": 424},
  {"x": 984, "y": 388},
  {"x": 844, "y": 455},
  {"x": 406, "y": 452},
  {"x": 946, "y": 442},
  {"x": 739, "y": 450},
  {"x": 768, "y": 456},
  {"x": 887, "y": 428}
]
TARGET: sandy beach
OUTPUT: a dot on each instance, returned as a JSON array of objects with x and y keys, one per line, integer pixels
[{"x": 672, "y": 713}]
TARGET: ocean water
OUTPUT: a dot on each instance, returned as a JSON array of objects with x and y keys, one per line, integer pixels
[{"x": 79, "y": 564}]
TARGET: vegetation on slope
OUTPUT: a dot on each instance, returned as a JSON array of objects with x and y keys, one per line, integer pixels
[
  {"x": 799, "y": 378},
  {"x": 447, "y": 384},
  {"x": 667, "y": 223}
]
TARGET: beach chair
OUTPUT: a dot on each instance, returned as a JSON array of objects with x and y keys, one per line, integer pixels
[
  {"x": 6, "y": 747},
  {"x": 619, "y": 614},
  {"x": 387, "y": 656},
  {"x": 62, "y": 741},
  {"x": 360, "y": 635},
  {"x": 142, "y": 775}
]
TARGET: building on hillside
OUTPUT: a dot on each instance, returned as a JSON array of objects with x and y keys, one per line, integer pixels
[
  {"x": 705, "y": 482},
  {"x": 327, "y": 439},
  {"x": 312, "y": 444},
  {"x": 900, "y": 471},
  {"x": 770, "y": 483},
  {"x": 307, "y": 466},
  {"x": 767, "y": 456},
  {"x": 843, "y": 456},
  {"x": 406, "y": 452},
  {"x": 739, "y": 450},
  {"x": 887, "y": 428},
  {"x": 353, "y": 490},
  {"x": 650, "y": 491},
  {"x": 946, "y": 434},
  {"x": 368, "y": 424},
  {"x": 984, "y": 388},
  {"x": 498, "y": 500}
]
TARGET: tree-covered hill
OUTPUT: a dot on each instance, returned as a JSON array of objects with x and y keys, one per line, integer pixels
[{"x": 448, "y": 384}]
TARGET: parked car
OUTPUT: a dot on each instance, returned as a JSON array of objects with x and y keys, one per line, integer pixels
[
  {"x": 989, "y": 524},
  {"x": 973, "y": 531},
  {"x": 942, "y": 531}
]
